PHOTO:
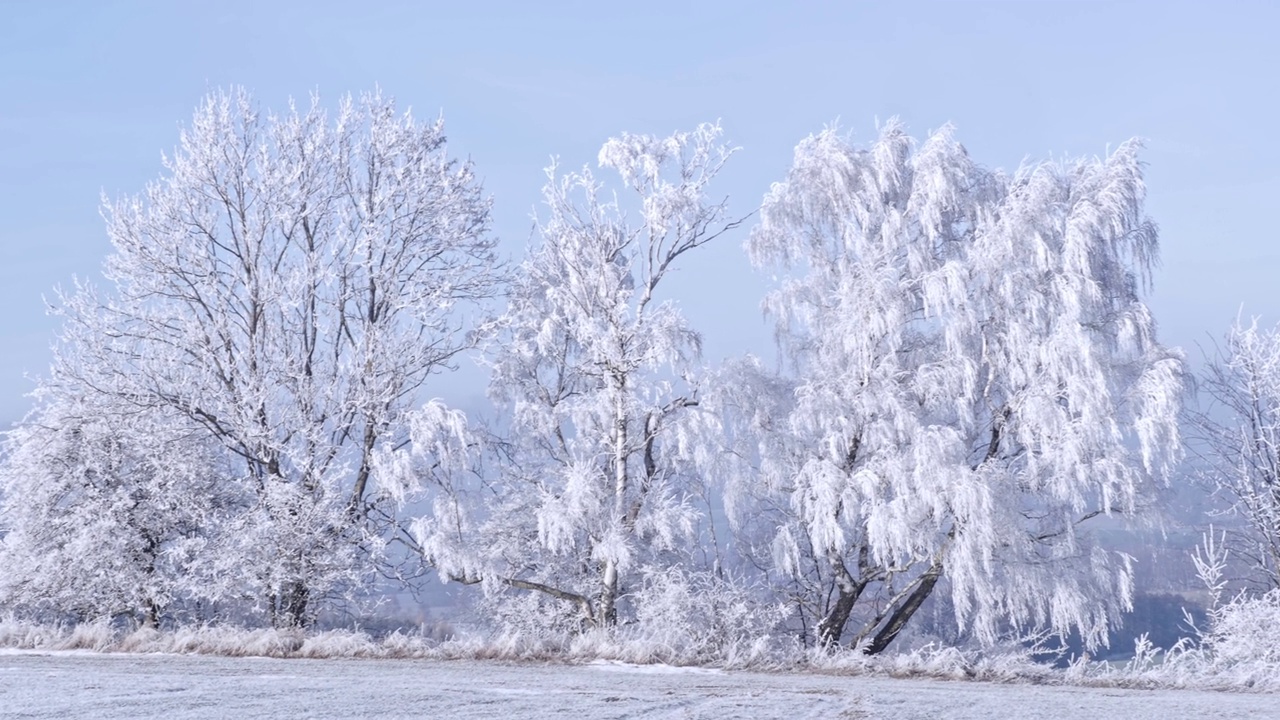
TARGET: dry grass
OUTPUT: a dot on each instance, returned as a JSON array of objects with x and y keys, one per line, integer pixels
[{"x": 1185, "y": 668}]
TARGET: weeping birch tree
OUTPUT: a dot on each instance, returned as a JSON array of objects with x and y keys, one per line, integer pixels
[
  {"x": 284, "y": 290},
  {"x": 973, "y": 378}
]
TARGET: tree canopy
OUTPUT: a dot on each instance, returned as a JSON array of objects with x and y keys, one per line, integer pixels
[{"x": 236, "y": 427}]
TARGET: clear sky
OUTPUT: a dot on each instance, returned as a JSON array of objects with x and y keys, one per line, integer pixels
[{"x": 91, "y": 93}]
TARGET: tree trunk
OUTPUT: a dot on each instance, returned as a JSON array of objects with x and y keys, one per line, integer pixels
[
  {"x": 609, "y": 583},
  {"x": 831, "y": 627},
  {"x": 151, "y": 609},
  {"x": 362, "y": 476},
  {"x": 151, "y": 618},
  {"x": 609, "y": 595},
  {"x": 293, "y": 605},
  {"x": 909, "y": 606}
]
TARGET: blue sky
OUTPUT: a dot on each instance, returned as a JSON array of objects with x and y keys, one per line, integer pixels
[{"x": 91, "y": 93}]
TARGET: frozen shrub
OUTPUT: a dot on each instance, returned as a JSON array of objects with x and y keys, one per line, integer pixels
[
  {"x": 1247, "y": 629},
  {"x": 698, "y": 617}
]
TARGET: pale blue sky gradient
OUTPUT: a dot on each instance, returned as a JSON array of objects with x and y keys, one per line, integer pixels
[{"x": 91, "y": 93}]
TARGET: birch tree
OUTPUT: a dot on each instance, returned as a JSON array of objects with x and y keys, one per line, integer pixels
[
  {"x": 974, "y": 376},
  {"x": 594, "y": 374},
  {"x": 287, "y": 287}
]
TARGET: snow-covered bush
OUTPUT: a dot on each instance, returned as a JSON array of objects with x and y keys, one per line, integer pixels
[
  {"x": 1243, "y": 636},
  {"x": 108, "y": 513},
  {"x": 1237, "y": 649},
  {"x": 1246, "y": 630},
  {"x": 698, "y": 617}
]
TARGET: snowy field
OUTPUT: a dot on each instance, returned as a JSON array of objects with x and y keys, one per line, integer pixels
[{"x": 89, "y": 685}]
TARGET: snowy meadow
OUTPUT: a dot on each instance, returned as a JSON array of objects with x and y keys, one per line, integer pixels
[
  {"x": 79, "y": 685},
  {"x": 234, "y": 452}
]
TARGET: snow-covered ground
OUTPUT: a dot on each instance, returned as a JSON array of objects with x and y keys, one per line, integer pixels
[{"x": 90, "y": 685}]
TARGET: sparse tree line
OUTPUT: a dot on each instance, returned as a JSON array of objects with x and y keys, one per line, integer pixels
[{"x": 234, "y": 429}]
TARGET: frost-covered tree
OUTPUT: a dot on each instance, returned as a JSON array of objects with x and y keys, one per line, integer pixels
[
  {"x": 285, "y": 289},
  {"x": 973, "y": 376},
  {"x": 594, "y": 482},
  {"x": 105, "y": 513},
  {"x": 1237, "y": 436}
]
